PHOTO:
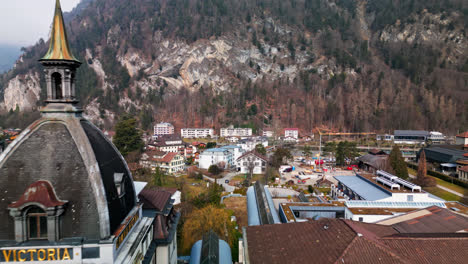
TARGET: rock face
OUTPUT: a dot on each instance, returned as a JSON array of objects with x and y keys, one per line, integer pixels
[
  {"x": 23, "y": 91},
  {"x": 431, "y": 29}
]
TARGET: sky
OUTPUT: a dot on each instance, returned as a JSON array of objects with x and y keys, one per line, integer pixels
[{"x": 24, "y": 22}]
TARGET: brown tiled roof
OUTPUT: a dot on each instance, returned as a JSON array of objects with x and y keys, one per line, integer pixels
[
  {"x": 464, "y": 168},
  {"x": 345, "y": 241},
  {"x": 322, "y": 241},
  {"x": 167, "y": 158},
  {"x": 254, "y": 153},
  {"x": 439, "y": 220},
  {"x": 430, "y": 250},
  {"x": 154, "y": 198},
  {"x": 463, "y": 135}
]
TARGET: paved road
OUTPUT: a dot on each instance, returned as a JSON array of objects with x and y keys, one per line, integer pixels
[
  {"x": 222, "y": 181},
  {"x": 443, "y": 188}
]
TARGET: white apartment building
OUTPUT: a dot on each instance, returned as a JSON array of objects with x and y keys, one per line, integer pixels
[
  {"x": 196, "y": 132},
  {"x": 267, "y": 133},
  {"x": 163, "y": 129},
  {"x": 291, "y": 132},
  {"x": 235, "y": 132},
  {"x": 252, "y": 160},
  {"x": 249, "y": 144},
  {"x": 215, "y": 156}
]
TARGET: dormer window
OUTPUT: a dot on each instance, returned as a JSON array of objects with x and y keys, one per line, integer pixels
[
  {"x": 37, "y": 223},
  {"x": 37, "y": 213},
  {"x": 119, "y": 183},
  {"x": 57, "y": 85}
]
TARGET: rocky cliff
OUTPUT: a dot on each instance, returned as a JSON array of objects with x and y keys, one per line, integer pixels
[{"x": 297, "y": 63}]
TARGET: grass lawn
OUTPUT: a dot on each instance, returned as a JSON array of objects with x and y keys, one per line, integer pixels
[
  {"x": 441, "y": 182},
  {"x": 442, "y": 194},
  {"x": 241, "y": 177},
  {"x": 193, "y": 186},
  {"x": 239, "y": 206}
]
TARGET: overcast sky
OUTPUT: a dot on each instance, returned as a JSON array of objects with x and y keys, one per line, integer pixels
[{"x": 23, "y": 22}]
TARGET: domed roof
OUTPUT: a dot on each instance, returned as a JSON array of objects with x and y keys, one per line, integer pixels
[{"x": 82, "y": 165}]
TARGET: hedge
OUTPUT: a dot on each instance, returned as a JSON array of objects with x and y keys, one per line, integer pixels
[{"x": 440, "y": 176}]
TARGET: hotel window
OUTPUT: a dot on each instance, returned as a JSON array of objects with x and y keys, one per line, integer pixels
[{"x": 37, "y": 223}]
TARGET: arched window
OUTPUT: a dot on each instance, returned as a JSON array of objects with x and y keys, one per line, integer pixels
[
  {"x": 57, "y": 85},
  {"x": 36, "y": 223}
]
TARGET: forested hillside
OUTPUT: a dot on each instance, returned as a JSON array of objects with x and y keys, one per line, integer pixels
[{"x": 348, "y": 65}]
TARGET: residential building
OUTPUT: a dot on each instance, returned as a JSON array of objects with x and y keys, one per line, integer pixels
[
  {"x": 67, "y": 193},
  {"x": 385, "y": 137},
  {"x": 235, "y": 132},
  {"x": 232, "y": 139},
  {"x": 344, "y": 241},
  {"x": 252, "y": 161},
  {"x": 168, "y": 143},
  {"x": 210, "y": 249},
  {"x": 215, "y": 156},
  {"x": 249, "y": 144},
  {"x": 291, "y": 132},
  {"x": 462, "y": 139},
  {"x": 410, "y": 136},
  {"x": 290, "y": 139},
  {"x": 236, "y": 151},
  {"x": 436, "y": 137},
  {"x": 169, "y": 162},
  {"x": 163, "y": 129},
  {"x": 268, "y": 133},
  {"x": 463, "y": 173},
  {"x": 373, "y": 161},
  {"x": 196, "y": 132},
  {"x": 160, "y": 204}
]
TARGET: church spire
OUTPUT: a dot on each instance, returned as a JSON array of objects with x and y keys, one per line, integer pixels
[{"x": 58, "y": 47}]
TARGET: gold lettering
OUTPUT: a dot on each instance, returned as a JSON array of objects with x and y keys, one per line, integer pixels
[
  {"x": 66, "y": 255},
  {"x": 50, "y": 254},
  {"x": 39, "y": 254},
  {"x": 14, "y": 255},
  {"x": 31, "y": 251},
  {"x": 58, "y": 253},
  {"x": 7, "y": 257},
  {"x": 19, "y": 255}
]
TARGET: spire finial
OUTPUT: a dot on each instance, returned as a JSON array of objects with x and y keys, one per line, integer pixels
[{"x": 58, "y": 47}]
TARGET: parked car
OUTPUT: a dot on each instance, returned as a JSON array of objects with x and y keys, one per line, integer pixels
[{"x": 226, "y": 181}]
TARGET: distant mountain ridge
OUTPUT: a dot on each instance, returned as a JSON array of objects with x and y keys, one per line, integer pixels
[{"x": 348, "y": 65}]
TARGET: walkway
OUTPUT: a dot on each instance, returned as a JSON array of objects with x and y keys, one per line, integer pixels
[{"x": 443, "y": 188}]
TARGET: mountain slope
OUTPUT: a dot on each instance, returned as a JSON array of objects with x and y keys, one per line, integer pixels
[{"x": 349, "y": 65}]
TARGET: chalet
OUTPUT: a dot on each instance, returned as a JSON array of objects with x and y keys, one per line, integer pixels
[
  {"x": 462, "y": 139},
  {"x": 252, "y": 161},
  {"x": 169, "y": 162}
]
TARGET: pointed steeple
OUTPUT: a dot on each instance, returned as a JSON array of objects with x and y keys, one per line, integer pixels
[{"x": 58, "y": 47}]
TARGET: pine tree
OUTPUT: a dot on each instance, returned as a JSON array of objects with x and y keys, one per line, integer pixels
[
  {"x": 422, "y": 178},
  {"x": 398, "y": 163},
  {"x": 127, "y": 137}
]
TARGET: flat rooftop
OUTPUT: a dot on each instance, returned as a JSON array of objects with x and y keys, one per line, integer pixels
[
  {"x": 372, "y": 208},
  {"x": 365, "y": 189}
]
